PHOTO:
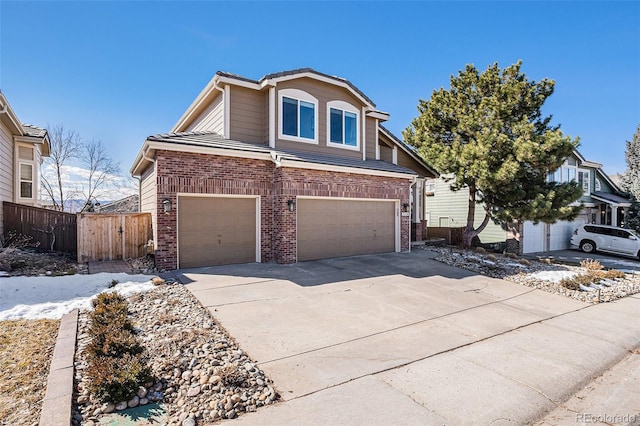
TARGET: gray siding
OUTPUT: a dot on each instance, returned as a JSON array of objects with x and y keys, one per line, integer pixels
[
  {"x": 454, "y": 206},
  {"x": 149, "y": 197},
  {"x": 211, "y": 119},
  {"x": 248, "y": 119}
]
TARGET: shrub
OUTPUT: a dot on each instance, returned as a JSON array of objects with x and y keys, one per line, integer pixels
[
  {"x": 157, "y": 281},
  {"x": 511, "y": 255},
  {"x": 611, "y": 274},
  {"x": 112, "y": 341},
  {"x": 117, "y": 363},
  {"x": 491, "y": 257},
  {"x": 573, "y": 283},
  {"x": 117, "y": 379},
  {"x": 480, "y": 250},
  {"x": 231, "y": 375},
  {"x": 591, "y": 265},
  {"x": 524, "y": 262}
]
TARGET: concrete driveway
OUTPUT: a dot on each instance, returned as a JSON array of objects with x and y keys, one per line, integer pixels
[{"x": 403, "y": 339}]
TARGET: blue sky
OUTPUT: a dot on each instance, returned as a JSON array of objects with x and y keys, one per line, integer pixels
[{"x": 120, "y": 71}]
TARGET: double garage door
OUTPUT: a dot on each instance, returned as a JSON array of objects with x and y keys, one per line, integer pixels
[
  {"x": 220, "y": 230},
  {"x": 547, "y": 237},
  {"x": 338, "y": 227}
]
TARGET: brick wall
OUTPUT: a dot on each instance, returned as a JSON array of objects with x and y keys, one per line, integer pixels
[{"x": 180, "y": 172}]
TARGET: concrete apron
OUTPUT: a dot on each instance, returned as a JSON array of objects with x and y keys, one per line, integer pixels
[{"x": 441, "y": 347}]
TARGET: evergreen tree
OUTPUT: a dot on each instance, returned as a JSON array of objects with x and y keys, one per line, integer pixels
[
  {"x": 488, "y": 133},
  {"x": 630, "y": 181}
]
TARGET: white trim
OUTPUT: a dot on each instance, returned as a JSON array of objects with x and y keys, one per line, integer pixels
[
  {"x": 380, "y": 115},
  {"x": 344, "y": 107},
  {"x": 394, "y": 155},
  {"x": 188, "y": 194},
  {"x": 238, "y": 82},
  {"x": 298, "y": 95},
  {"x": 398, "y": 218},
  {"x": 227, "y": 111},
  {"x": 364, "y": 135},
  {"x": 343, "y": 169},
  {"x": 272, "y": 117},
  {"x": 377, "y": 140}
]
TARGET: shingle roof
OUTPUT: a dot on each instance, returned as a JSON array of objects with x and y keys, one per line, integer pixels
[
  {"x": 31, "y": 130},
  {"x": 214, "y": 140},
  {"x": 294, "y": 72},
  {"x": 616, "y": 199}
]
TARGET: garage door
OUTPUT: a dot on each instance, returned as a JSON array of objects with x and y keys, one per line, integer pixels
[
  {"x": 560, "y": 233},
  {"x": 333, "y": 228},
  {"x": 216, "y": 231},
  {"x": 534, "y": 238}
]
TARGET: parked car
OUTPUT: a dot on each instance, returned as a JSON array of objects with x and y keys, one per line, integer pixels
[{"x": 610, "y": 239}]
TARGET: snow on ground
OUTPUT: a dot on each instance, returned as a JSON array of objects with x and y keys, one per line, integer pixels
[
  {"x": 553, "y": 276},
  {"x": 52, "y": 297}
]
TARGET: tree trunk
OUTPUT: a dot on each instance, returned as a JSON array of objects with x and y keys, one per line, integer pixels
[{"x": 469, "y": 232}]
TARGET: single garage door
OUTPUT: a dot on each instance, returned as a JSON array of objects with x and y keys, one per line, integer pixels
[
  {"x": 337, "y": 227},
  {"x": 216, "y": 231},
  {"x": 534, "y": 238}
]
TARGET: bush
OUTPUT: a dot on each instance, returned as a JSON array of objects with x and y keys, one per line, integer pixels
[
  {"x": 117, "y": 379},
  {"x": 480, "y": 250},
  {"x": 117, "y": 363},
  {"x": 591, "y": 265},
  {"x": 574, "y": 282}
]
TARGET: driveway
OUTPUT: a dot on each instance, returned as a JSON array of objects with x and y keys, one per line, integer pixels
[
  {"x": 574, "y": 257},
  {"x": 403, "y": 339}
]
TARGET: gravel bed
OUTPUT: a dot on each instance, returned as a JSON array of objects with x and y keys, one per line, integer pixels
[
  {"x": 530, "y": 273},
  {"x": 202, "y": 376}
]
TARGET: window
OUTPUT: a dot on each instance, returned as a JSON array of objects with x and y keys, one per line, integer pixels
[
  {"x": 26, "y": 180},
  {"x": 598, "y": 185},
  {"x": 583, "y": 181},
  {"x": 298, "y": 117},
  {"x": 342, "y": 125}
]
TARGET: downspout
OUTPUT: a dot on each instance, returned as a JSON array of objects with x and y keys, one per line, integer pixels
[{"x": 411, "y": 191}]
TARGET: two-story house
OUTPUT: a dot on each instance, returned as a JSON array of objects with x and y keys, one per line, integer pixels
[
  {"x": 22, "y": 148},
  {"x": 601, "y": 199},
  {"x": 294, "y": 166}
]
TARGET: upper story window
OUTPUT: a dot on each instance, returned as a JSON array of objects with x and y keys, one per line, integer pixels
[
  {"x": 342, "y": 125},
  {"x": 569, "y": 172},
  {"x": 298, "y": 119},
  {"x": 598, "y": 185}
]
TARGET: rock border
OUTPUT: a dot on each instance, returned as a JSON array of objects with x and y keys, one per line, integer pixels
[{"x": 58, "y": 400}]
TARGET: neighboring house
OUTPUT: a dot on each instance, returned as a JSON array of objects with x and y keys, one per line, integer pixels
[
  {"x": 130, "y": 204},
  {"x": 602, "y": 200},
  {"x": 448, "y": 209},
  {"x": 294, "y": 166},
  {"x": 22, "y": 148}
]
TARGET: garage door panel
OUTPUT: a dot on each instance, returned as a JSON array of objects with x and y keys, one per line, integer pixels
[
  {"x": 334, "y": 228},
  {"x": 216, "y": 231}
]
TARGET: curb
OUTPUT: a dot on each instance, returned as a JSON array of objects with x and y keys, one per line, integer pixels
[{"x": 56, "y": 406}]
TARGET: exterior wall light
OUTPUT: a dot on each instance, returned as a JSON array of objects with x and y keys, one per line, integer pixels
[
  {"x": 291, "y": 204},
  {"x": 167, "y": 205},
  {"x": 405, "y": 207}
]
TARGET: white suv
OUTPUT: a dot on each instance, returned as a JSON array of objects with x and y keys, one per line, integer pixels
[{"x": 611, "y": 239}]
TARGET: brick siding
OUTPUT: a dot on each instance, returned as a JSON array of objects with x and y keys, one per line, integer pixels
[{"x": 180, "y": 172}]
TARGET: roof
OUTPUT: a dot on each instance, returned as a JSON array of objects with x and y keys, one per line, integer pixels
[
  {"x": 214, "y": 140},
  {"x": 31, "y": 130},
  {"x": 610, "y": 198},
  {"x": 295, "y": 72},
  {"x": 412, "y": 151}
]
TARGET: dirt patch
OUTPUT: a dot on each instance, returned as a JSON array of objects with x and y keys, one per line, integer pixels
[
  {"x": 22, "y": 262},
  {"x": 26, "y": 349}
]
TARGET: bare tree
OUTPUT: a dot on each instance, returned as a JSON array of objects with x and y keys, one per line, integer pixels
[
  {"x": 101, "y": 170},
  {"x": 65, "y": 147}
]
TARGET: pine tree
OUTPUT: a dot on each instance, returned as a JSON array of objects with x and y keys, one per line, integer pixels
[
  {"x": 488, "y": 133},
  {"x": 630, "y": 180}
]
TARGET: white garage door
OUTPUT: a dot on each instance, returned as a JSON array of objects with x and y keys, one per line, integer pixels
[
  {"x": 534, "y": 237},
  {"x": 561, "y": 234}
]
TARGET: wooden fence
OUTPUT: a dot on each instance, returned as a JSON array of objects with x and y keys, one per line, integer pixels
[
  {"x": 112, "y": 236},
  {"x": 49, "y": 229},
  {"x": 453, "y": 236}
]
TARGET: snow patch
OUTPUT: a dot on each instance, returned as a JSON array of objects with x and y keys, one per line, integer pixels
[
  {"x": 553, "y": 276},
  {"x": 52, "y": 297}
]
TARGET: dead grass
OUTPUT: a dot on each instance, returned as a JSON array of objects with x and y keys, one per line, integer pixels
[{"x": 26, "y": 348}]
